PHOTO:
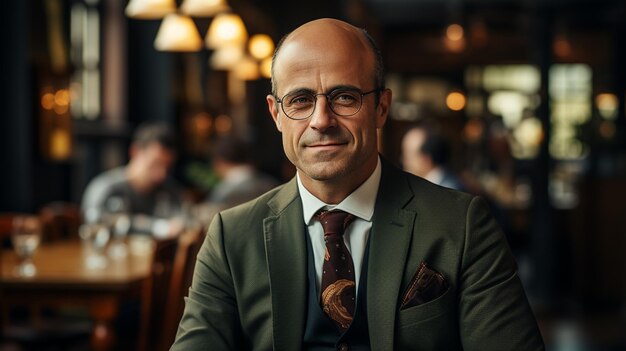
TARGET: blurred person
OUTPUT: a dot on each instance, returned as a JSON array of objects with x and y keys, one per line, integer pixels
[
  {"x": 141, "y": 188},
  {"x": 239, "y": 180},
  {"x": 352, "y": 253},
  {"x": 425, "y": 153}
]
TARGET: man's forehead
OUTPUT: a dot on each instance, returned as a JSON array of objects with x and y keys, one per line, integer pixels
[
  {"x": 323, "y": 51},
  {"x": 325, "y": 26},
  {"x": 321, "y": 74},
  {"x": 327, "y": 34}
]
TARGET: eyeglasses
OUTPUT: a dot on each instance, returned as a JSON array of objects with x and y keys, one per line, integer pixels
[{"x": 343, "y": 102}]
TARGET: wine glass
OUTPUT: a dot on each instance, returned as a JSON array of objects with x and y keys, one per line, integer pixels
[
  {"x": 95, "y": 236},
  {"x": 120, "y": 222},
  {"x": 25, "y": 237}
]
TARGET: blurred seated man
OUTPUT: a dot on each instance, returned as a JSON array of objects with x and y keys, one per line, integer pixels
[
  {"x": 142, "y": 188},
  {"x": 239, "y": 182},
  {"x": 425, "y": 153}
]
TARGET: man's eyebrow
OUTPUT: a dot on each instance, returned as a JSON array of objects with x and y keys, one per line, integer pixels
[
  {"x": 328, "y": 91},
  {"x": 342, "y": 87},
  {"x": 300, "y": 91}
]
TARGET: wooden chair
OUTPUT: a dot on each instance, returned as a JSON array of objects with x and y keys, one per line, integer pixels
[
  {"x": 35, "y": 327},
  {"x": 182, "y": 273},
  {"x": 156, "y": 293},
  {"x": 60, "y": 221},
  {"x": 6, "y": 226}
]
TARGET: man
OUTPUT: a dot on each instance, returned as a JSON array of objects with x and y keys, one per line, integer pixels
[
  {"x": 425, "y": 267},
  {"x": 141, "y": 188},
  {"x": 425, "y": 154},
  {"x": 239, "y": 180}
]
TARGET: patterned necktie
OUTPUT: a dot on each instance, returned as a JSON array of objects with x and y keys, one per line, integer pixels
[{"x": 338, "y": 284}]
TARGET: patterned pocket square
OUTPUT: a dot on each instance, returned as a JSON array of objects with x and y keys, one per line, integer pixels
[{"x": 426, "y": 285}]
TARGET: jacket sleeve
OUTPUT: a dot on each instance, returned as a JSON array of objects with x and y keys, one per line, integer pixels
[
  {"x": 494, "y": 313},
  {"x": 210, "y": 320}
]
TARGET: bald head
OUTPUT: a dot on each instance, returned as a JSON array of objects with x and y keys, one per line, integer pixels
[
  {"x": 330, "y": 35},
  {"x": 333, "y": 152}
]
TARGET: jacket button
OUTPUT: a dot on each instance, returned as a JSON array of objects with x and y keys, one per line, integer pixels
[{"x": 343, "y": 347}]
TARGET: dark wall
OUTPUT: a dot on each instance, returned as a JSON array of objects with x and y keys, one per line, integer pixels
[
  {"x": 149, "y": 76},
  {"x": 17, "y": 137},
  {"x": 28, "y": 180}
]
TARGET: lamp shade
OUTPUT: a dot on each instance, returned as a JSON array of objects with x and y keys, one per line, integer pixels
[
  {"x": 265, "y": 67},
  {"x": 226, "y": 29},
  {"x": 204, "y": 8},
  {"x": 178, "y": 33},
  {"x": 150, "y": 9},
  {"x": 261, "y": 46},
  {"x": 246, "y": 69},
  {"x": 227, "y": 57}
]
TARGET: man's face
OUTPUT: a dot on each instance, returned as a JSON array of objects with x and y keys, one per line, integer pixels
[
  {"x": 327, "y": 147},
  {"x": 153, "y": 163}
]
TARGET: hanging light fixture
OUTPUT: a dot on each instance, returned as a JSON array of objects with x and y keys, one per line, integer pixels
[
  {"x": 150, "y": 9},
  {"x": 227, "y": 57},
  {"x": 261, "y": 46},
  {"x": 226, "y": 29},
  {"x": 265, "y": 67},
  {"x": 454, "y": 37},
  {"x": 178, "y": 33},
  {"x": 204, "y": 8},
  {"x": 455, "y": 32},
  {"x": 246, "y": 69}
]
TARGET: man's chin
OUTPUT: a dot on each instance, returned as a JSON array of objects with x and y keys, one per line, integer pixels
[{"x": 323, "y": 171}]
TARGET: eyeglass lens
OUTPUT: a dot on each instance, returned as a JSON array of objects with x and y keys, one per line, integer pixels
[{"x": 300, "y": 105}]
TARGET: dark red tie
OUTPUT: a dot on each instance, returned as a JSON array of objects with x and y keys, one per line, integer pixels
[{"x": 338, "y": 284}]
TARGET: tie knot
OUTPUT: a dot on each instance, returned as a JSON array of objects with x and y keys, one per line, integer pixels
[{"x": 334, "y": 222}]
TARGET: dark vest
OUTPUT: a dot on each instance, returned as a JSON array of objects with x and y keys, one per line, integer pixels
[{"x": 320, "y": 332}]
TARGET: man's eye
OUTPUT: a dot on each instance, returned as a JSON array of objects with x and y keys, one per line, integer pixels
[
  {"x": 345, "y": 98},
  {"x": 300, "y": 100}
]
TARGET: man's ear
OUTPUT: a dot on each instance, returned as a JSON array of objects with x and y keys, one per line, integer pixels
[
  {"x": 272, "y": 105},
  {"x": 382, "y": 111}
]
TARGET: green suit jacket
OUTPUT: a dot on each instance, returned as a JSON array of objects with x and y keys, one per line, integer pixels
[{"x": 250, "y": 282}]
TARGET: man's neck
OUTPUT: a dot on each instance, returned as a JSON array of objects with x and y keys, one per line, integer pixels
[{"x": 133, "y": 179}]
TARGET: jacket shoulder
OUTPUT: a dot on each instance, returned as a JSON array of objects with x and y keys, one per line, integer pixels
[{"x": 425, "y": 193}]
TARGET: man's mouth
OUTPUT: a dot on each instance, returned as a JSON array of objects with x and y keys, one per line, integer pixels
[{"x": 322, "y": 146}]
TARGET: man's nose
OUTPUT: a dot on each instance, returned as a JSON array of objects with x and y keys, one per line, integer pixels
[{"x": 323, "y": 117}]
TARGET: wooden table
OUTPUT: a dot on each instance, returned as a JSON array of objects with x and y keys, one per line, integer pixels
[{"x": 62, "y": 278}]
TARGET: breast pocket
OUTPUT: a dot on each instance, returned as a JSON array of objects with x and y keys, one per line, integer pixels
[{"x": 432, "y": 309}]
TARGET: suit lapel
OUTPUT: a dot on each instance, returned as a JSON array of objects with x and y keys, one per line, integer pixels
[
  {"x": 285, "y": 248},
  {"x": 390, "y": 237}
]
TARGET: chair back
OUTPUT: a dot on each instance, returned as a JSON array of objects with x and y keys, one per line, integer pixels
[
  {"x": 7, "y": 220},
  {"x": 158, "y": 285},
  {"x": 182, "y": 273},
  {"x": 60, "y": 221}
]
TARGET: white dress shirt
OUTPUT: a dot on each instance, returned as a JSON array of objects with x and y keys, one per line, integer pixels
[{"x": 359, "y": 203}]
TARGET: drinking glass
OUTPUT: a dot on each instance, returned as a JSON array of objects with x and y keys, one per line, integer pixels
[
  {"x": 121, "y": 226},
  {"x": 118, "y": 214},
  {"x": 95, "y": 236},
  {"x": 25, "y": 237}
]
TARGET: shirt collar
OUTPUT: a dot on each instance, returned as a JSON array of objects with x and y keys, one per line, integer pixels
[{"x": 359, "y": 203}]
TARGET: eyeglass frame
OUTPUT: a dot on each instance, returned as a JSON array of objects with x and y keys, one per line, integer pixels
[{"x": 330, "y": 104}]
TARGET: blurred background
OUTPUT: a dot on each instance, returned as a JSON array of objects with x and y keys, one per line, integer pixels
[{"x": 529, "y": 96}]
